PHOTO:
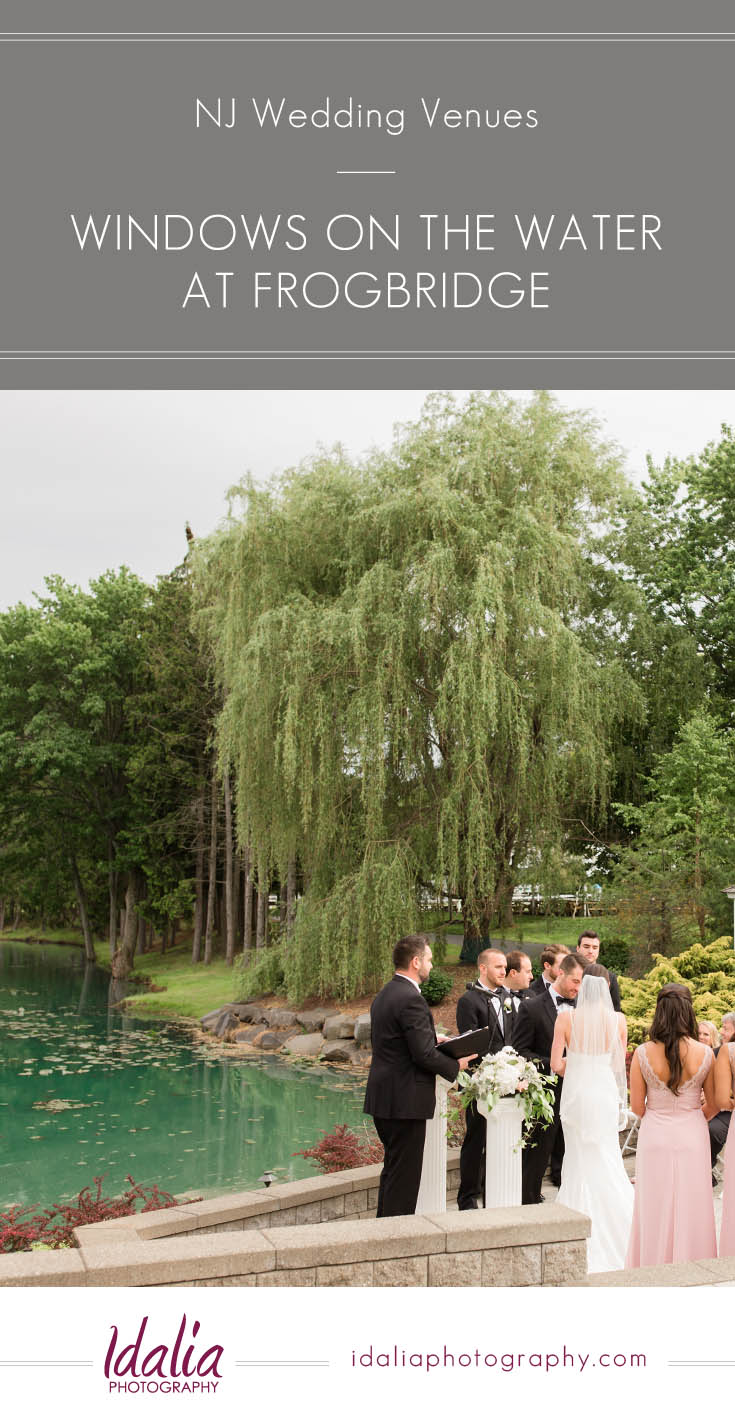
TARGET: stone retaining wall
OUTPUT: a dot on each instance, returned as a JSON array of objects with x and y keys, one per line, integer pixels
[{"x": 315, "y": 1232}]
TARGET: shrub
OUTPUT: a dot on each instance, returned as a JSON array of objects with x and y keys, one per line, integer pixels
[
  {"x": 24, "y": 1228},
  {"x": 709, "y": 972},
  {"x": 436, "y": 986},
  {"x": 615, "y": 953},
  {"x": 343, "y": 1150}
]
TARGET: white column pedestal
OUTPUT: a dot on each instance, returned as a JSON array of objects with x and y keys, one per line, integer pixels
[
  {"x": 433, "y": 1187},
  {"x": 502, "y": 1160}
]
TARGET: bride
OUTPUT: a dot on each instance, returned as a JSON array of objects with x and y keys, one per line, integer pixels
[{"x": 594, "y": 1099}]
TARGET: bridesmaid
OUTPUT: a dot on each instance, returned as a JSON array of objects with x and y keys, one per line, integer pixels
[
  {"x": 724, "y": 1085},
  {"x": 672, "y": 1089}
]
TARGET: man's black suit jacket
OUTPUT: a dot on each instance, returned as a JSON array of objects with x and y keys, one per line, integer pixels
[
  {"x": 475, "y": 1010},
  {"x": 534, "y": 1030},
  {"x": 405, "y": 1057},
  {"x": 538, "y": 985}
]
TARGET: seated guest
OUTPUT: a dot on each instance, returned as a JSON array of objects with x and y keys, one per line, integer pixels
[
  {"x": 708, "y": 1034},
  {"x": 727, "y": 1030}
]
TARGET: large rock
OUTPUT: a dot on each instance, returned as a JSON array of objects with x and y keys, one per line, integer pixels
[
  {"x": 309, "y": 1045},
  {"x": 209, "y": 1022},
  {"x": 248, "y": 1033},
  {"x": 337, "y": 1051},
  {"x": 250, "y": 1011},
  {"x": 362, "y": 1029},
  {"x": 339, "y": 1028},
  {"x": 270, "y": 1040},
  {"x": 227, "y": 1021},
  {"x": 279, "y": 1017},
  {"x": 312, "y": 1020}
]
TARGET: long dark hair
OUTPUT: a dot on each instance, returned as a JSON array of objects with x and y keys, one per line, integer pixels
[
  {"x": 596, "y": 969},
  {"x": 673, "y": 1019}
]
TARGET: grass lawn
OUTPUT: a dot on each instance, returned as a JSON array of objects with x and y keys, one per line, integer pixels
[
  {"x": 182, "y": 990},
  {"x": 536, "y": 929}
]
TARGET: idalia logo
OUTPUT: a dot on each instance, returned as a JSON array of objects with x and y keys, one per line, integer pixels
[{"x": 185, "y": 1368}]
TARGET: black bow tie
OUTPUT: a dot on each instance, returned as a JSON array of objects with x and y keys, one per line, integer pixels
[{"x": 565, "y": 1001}]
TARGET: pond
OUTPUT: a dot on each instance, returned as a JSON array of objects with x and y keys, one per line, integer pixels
[{"x": 86, "y": 1091}]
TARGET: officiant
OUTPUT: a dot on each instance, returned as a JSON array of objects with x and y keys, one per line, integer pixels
[
  {"x": 533, "y": 1034},
  {"x": 407, "y": 1058},
  {"x": 487, "y": 1003}
]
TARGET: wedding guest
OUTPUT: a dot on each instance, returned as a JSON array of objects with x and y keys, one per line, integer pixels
[
  {"x": 724, "y": 1096},
  {"x": 532, "y": 1037},
  {"x": 486, "y": 1003},
  {"x": 719, "y": 1125},
  {"x": 518, "y": 975},
  {"x": 672, "y": 1090},
  {"x": 551, "y": 958},
  {"x": 400, "y": 1094},
  {"x": 708, "y": 1034},
  {"x": 588, "y": 946},
  {"x": 727, "y": 1030}
]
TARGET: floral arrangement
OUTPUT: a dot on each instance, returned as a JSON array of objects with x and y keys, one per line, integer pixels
[{"x": 506, "y": 1073}]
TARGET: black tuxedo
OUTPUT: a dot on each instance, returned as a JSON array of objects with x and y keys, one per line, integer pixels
[
  {"x": 534, "y": 1033},
  {"x": 537, "y": 986},
  {"x": 400, "y": 1093},
  {"x": 475, "y": 1009}
]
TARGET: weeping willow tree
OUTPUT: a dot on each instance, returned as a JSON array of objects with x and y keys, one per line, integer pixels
[{"x": 410, "y": 699}]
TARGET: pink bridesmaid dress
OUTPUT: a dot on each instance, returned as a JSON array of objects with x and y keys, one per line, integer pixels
[
  {"x": 673, "y": 1212},
  {"x": 727, "y": 1231}
]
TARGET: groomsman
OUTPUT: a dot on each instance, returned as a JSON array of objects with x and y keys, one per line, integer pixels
[
  {"x": 551, "y": 957},
  {"x": 533, "y": 1035},
  {"x": 486, "y": 1003},
  {"x": 588, "y": 946},
  {"x": 518, "y": 976},
  {"x": 400, "y": 1094}
]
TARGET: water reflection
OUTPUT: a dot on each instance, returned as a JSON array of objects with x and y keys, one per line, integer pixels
[{"x": 85, "y": 1090}]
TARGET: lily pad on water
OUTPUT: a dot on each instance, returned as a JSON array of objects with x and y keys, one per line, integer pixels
[{"x": 56, "y": 1106}]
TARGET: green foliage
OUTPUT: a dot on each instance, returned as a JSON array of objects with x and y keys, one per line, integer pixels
[
  {"x": 684, "y": 851},
  {"x": 410, "y": 696},
  {"x": 615, "y": 953},
  {"x": 436, "y": 986},
  {"x": 709, "y": 972}
]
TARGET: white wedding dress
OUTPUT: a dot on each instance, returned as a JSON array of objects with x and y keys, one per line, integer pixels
[{"x": 593, "y": 1102}]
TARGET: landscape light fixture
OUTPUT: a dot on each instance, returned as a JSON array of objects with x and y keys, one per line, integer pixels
[{"x": 268, "y": 1177}]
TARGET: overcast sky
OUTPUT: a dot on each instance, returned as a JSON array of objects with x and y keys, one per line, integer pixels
[{"x": 95, "y": 480}]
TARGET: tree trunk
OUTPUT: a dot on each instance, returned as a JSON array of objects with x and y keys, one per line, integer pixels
[
  {"x": 699, "y": 910},
  {"x": 17, "y": 917},
  {"x": 89, "y": 952},
  {"x": 260, "y": 927},
  {"x": 112, "y": 885},
  {"x": 123, "y": 960},
  {"x": 247, "y": 911},
  {"x": 212, "y": 889},
  {"x": 2, "y": 913},
  {"x": 140, "y": 948},
  {"x": 291, "y": 895},
  {"x": 164, "y": 938},
  {"x": 196, "y": 941},
  {"x": 229, "y": 875}
]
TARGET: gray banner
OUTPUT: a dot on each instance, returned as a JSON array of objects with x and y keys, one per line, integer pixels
[{"x": 242, "y": 209}]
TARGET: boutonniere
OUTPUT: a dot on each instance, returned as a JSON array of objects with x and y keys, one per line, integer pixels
[{"x": 507, "y": 1005}]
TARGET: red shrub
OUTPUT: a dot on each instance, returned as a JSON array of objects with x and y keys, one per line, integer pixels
[
  {"x": 343, "y": 1150},
  {"x": 21, "y": 1227}
]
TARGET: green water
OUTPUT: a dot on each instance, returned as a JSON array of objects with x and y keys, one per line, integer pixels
[{"x": 140, "y": 1100}]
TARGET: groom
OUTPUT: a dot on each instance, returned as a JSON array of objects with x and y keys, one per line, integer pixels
[{"x": 533, "y": 1035}]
